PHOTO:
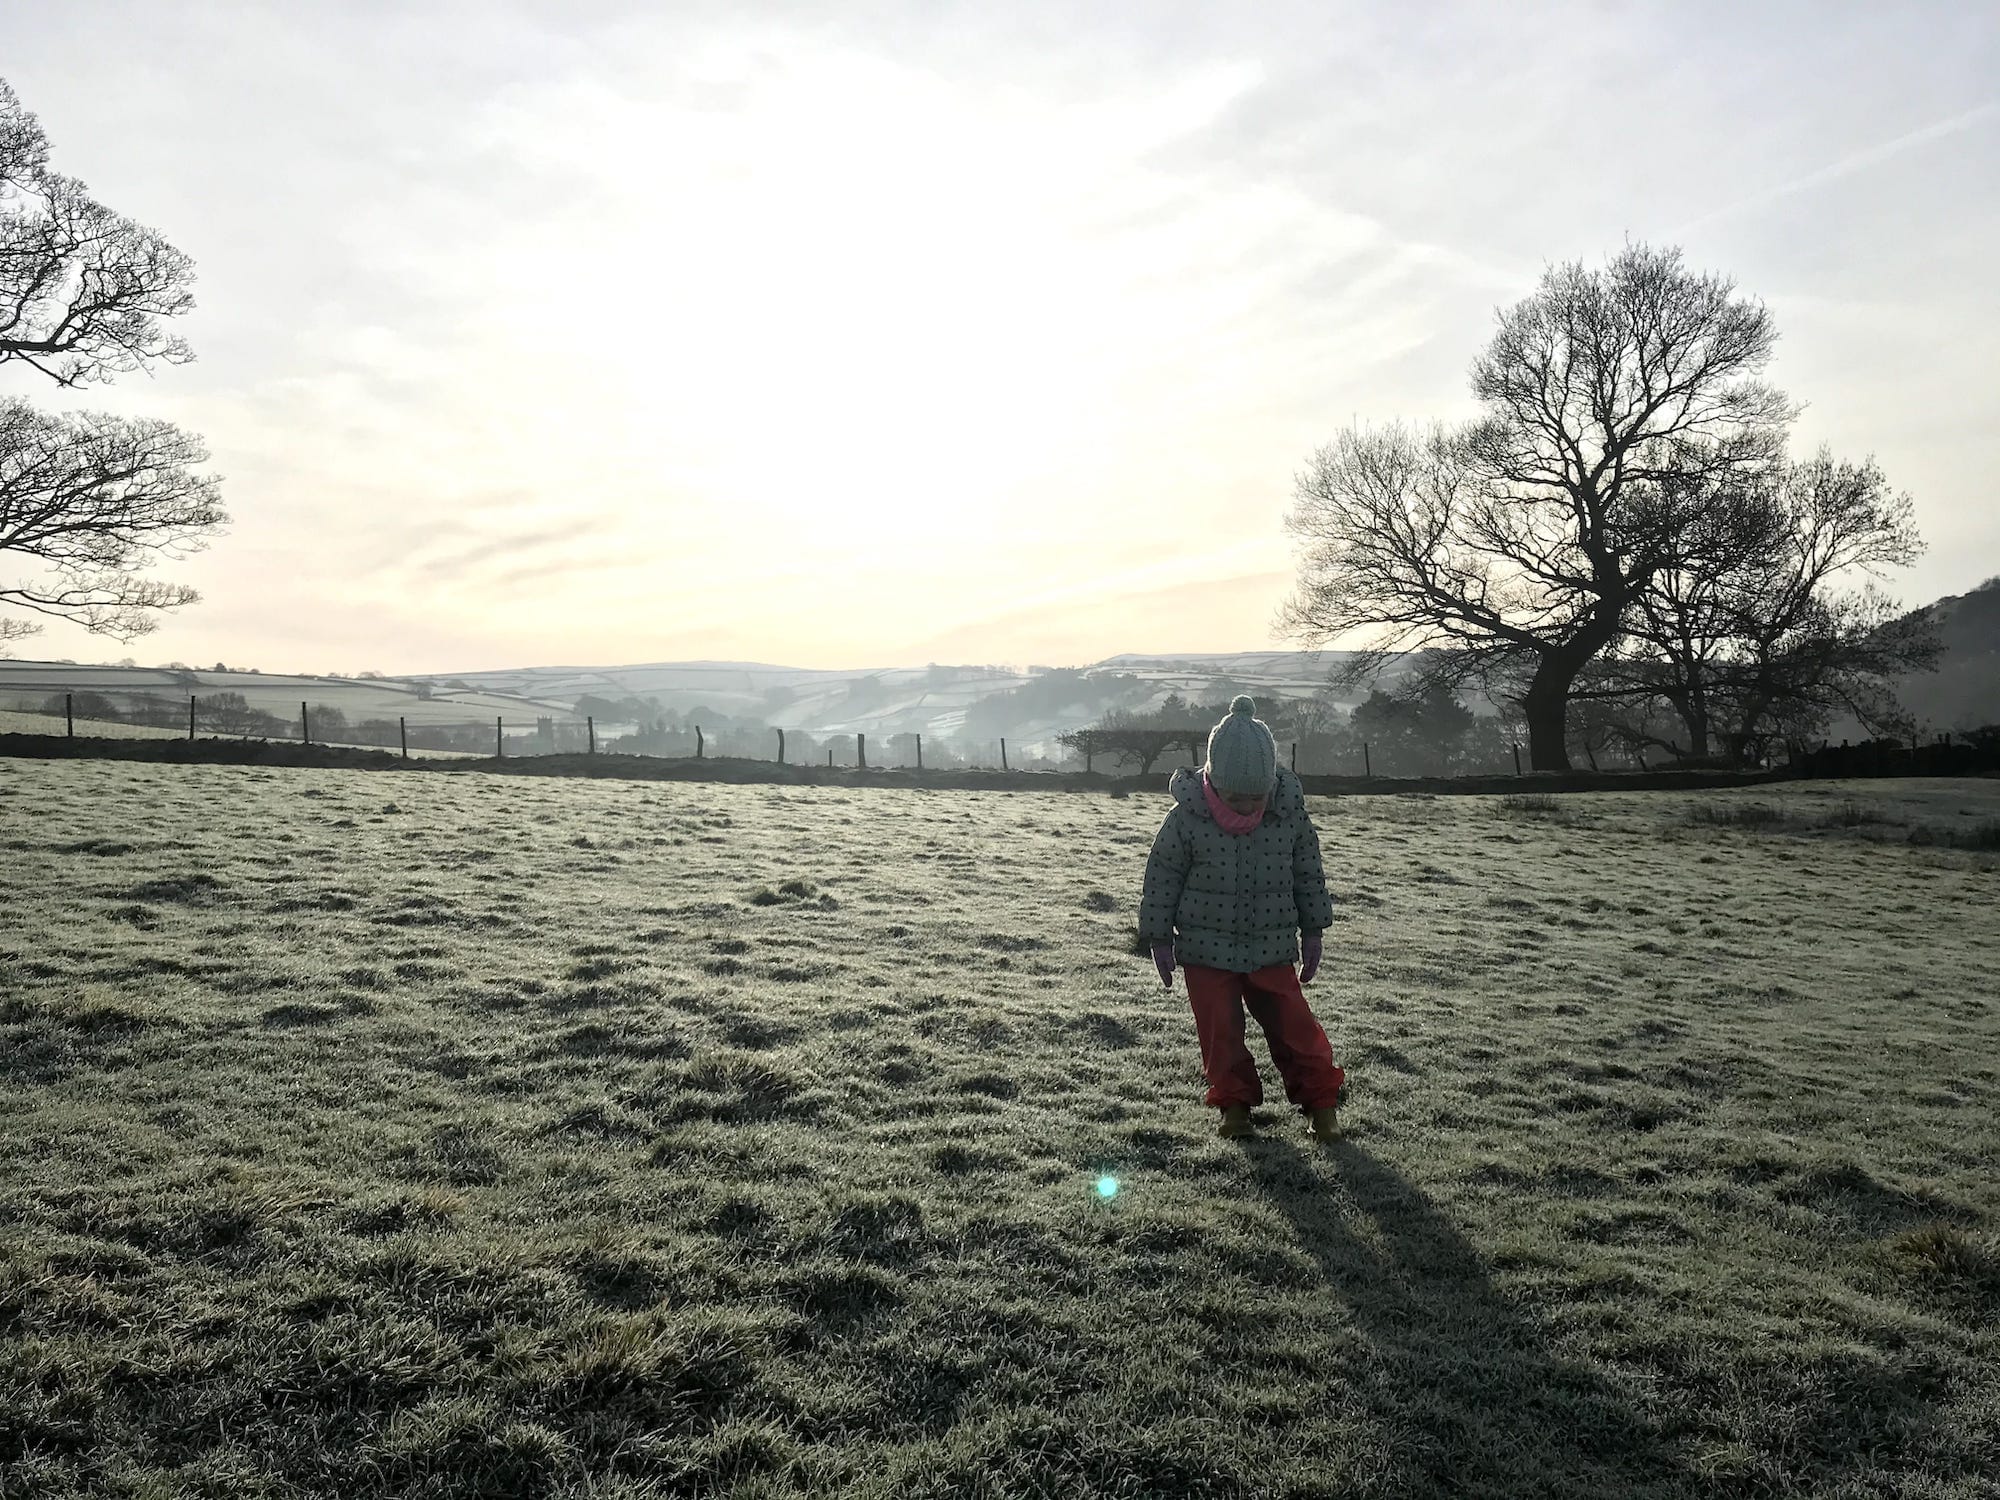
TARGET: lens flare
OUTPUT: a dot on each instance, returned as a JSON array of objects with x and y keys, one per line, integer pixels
[{"x": 1107, "y": 1187}]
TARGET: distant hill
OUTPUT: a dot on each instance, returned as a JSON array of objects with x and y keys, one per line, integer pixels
[
  {"x": 1964, "y": 692},
  {"x": 943, "y": 700},
  {"x": 983, "y": 702},
  {"x": 1029, "y": 707}
]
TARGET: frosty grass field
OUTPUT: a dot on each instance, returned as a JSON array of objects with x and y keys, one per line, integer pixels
[{"x": 423, "y": 1134}]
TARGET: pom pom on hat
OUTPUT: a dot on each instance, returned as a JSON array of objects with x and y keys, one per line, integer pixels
[{"x": 1243, "y": 703}]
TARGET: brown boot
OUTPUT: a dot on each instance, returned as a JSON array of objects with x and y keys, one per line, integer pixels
[
  {"x": 1235, "y": 1123},
  {"x": 1323, "y": 1124}
]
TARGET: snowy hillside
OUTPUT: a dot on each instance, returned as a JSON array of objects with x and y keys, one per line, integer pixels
[{"x": 934, "y": 700}]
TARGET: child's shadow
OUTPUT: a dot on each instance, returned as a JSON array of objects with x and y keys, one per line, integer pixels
[{"x": 1471, "y": 1398}]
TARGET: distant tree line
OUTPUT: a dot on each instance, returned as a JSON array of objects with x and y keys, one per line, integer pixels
[
  {"x": 232, "y": 714},
  {"x": 1055, "y": 694},
  {"x": 218, "y": 713}
]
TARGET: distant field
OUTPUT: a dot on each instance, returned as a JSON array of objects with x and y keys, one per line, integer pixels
[
  {"x": 28, "y": 684},
  {"x": 384, "y": 1134},
  {"x": 111, "y": 729},
  {"x": 17, "y": 723}
]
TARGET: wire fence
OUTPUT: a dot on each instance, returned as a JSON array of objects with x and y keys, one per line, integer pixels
[{"x": 138, "y": 714}]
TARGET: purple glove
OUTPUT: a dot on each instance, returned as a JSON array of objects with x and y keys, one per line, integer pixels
[
  {"x": 1309, "y": 951},
  {"x": 1163, "y": 960}
]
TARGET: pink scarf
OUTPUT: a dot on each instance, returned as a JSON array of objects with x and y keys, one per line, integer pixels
[{"x": 1226, "y": 817}]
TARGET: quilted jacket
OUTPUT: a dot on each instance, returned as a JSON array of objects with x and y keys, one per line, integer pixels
[{"x": 1234, "y": 901}]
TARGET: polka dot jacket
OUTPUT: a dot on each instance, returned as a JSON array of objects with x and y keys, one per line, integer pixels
[{"x": 1234, "y": 901}]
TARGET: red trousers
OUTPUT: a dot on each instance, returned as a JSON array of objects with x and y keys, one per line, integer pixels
[{"x": 1297, "y": 1041}]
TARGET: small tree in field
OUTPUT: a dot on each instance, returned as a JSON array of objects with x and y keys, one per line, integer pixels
[
  {"x": 1619, "y": 408},
  {"x": 87, "y": 500},
  {"x": 231, "y": 713}
]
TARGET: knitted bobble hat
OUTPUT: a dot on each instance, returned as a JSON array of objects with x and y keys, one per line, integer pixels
[{"x": 1242, "y": 756}]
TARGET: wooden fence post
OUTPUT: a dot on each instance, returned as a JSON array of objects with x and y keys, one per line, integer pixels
[
  {"x": 1517, "y": 758},
  {"x": 403, "y": 734},
  {"x": 920, "y": 752},
  {"x": 1003, "y": 755},
  {"x": 69, "y": 714},
  {"x": 1367, "y": 765},
  {"x": 860, "y": 750},
  {"x": 781, "y": 747},
  {"x": 305, "y": 726},
  {"x": 700, "y": 745},
  {"x": 590, "y": 733},
  {"x": 190, "y": 715},
  {"x": 499, "y": 740},
  {"x": 1295, "y": 757},
  {"x": 829, "y": 757}
]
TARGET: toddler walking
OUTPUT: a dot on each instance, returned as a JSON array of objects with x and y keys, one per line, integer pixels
[{"x": 1234, "y": 879}]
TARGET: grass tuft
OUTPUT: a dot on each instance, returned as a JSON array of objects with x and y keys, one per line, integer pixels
[
  {"x": 1954, "y": 1260},
  {"x": 1536, "y": 805},
  {"x": 1737, "y": 815}
]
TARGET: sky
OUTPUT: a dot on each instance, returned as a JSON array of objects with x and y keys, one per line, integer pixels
[{"x": 874, "y": 334}]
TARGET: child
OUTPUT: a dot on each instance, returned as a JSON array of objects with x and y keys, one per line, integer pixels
[{"x": 1234, "y": 878}]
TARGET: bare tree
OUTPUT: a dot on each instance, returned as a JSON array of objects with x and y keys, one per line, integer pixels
[
  {"x": 231, "y": 713},
  {"x": 1617, "y": 406},
  {"x": 93, "y": 499},
  {"x": 89, "y": 499},
  {"x": 83, "y": 290},
  {"x": 1124, "y": 740}
]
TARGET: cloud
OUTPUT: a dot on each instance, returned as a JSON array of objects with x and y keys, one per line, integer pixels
[
  {"x": 467, "y": 560},
  {"x": 1847, "y": 166}
]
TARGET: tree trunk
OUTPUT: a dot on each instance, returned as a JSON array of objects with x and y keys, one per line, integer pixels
[
  {"x": 1696, "y": 717},
  {"x": 1546, "y": 703},
  {"x": 1546, "y": 707}
]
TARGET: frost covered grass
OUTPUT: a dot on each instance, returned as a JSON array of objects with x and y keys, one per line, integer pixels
[{"x": 383, "y": 1133}]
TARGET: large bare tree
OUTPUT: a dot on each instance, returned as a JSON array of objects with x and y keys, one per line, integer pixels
[
  {"x": 1619, "y": 407},
  {"x": 87, "y": 501}
]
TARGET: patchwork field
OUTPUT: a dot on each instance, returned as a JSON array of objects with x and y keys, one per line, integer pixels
[
  {"x": 384, "y": 1133},
  {"x": 26, "y": 685}
]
